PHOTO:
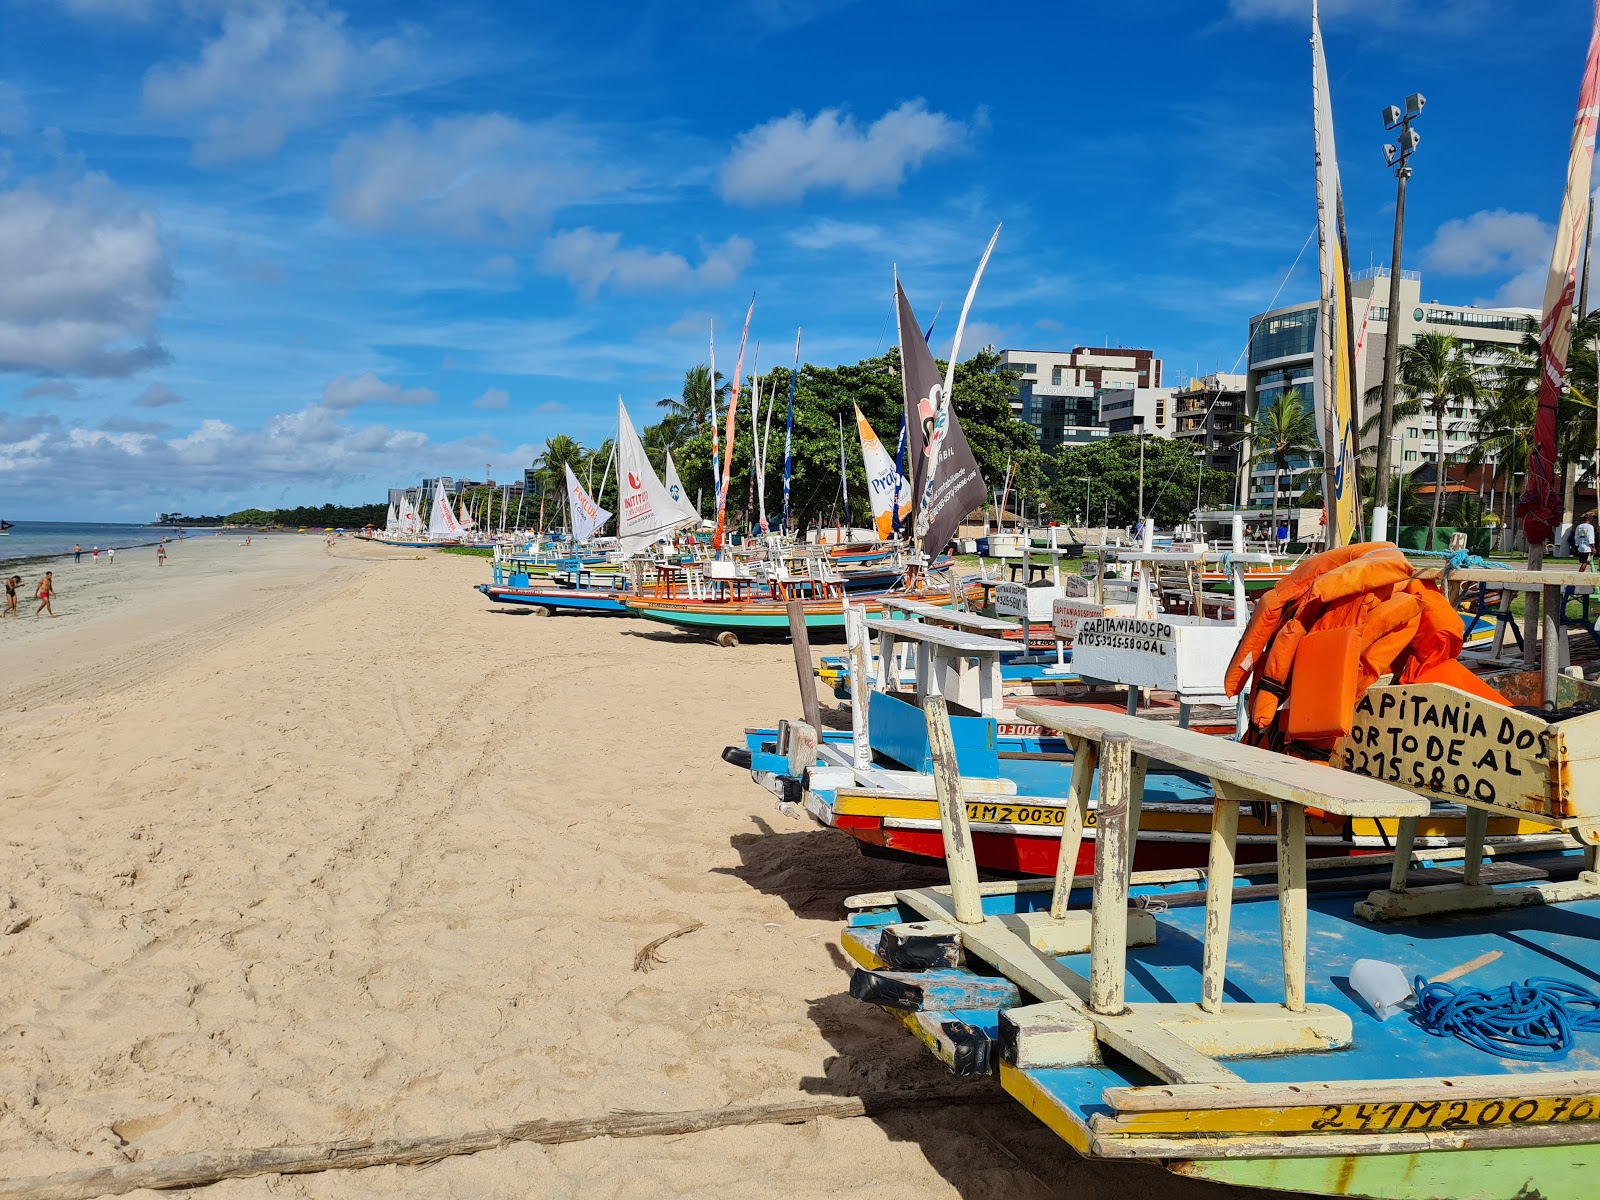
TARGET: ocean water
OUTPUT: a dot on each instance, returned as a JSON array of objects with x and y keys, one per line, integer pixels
[{"x": 55, "y": 539}]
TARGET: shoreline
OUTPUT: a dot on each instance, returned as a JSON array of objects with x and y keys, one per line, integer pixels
[{"x": 306, "y": 846}]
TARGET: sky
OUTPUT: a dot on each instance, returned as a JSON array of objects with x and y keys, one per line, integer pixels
[{"x": 280, "y": 252}]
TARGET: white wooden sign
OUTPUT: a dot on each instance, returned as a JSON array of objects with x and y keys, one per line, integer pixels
[
  {"x": 1177, "y": 654},
  {"x": 1443, "y": 741}
]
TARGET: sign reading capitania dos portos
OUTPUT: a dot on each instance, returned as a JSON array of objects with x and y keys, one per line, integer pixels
[{"x": 1125, "y": 633}]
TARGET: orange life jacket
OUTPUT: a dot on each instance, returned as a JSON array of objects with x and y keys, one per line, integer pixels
[{"x": 1328, "y": 631}]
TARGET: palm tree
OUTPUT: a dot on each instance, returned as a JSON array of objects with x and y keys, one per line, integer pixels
[
  {"x": 1437, "y": 371},
  {"x": 1279, "y": 431},
  {"x": 694, "y": 408},
  {"x": 560, "y": 452}
]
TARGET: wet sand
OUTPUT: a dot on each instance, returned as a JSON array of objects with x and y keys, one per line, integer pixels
[{"x": 298, "y": 847}]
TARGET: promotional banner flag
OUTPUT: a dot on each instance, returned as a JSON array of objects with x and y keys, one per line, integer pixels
[
  {"x": 884, "y": 484},
  {"x": 1334, "y": 380},
  {"x": 587, "y": 516},
  {"x": 1540, "y": 505}
]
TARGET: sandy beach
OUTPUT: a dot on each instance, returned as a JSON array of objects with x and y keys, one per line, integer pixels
[{"x": 299, "y": 846}]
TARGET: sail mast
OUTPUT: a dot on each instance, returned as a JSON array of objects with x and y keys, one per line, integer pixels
[{"x": 788, "y": 432}]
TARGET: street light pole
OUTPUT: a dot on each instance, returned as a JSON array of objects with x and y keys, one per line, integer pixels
[{"x": 1399, "y": 158}]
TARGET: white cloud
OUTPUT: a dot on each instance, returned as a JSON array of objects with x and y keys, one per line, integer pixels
[
  {"x": 1380, "y": 12},
  {"x": 787, "y": 157},
  {"x": 129, "y": 461},
  {"x": 85, "y": 278},
  {"x": 1496, "y": 242},
  {"x": 487, "y": 175},
  {"x": 274, "y": 66},
  {"x": 157, "y": 395},
  {"x": 493, "y": 398},
  {"x": 347, "y": 392},
  {"x": 829, "y": 234},
  {"x": 591, "y": 260}
]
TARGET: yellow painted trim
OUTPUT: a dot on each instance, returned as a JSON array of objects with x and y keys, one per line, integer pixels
[
  {"x": 1044, "y": 1106},
  {"x": 859, "y": 954},
  {"x": 1398, "y": 1116}
]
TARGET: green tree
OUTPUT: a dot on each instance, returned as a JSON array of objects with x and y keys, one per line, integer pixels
[
  {"x": 1438, "y": 372},
  {"x": 1111, "y": 466},
  {"x": 1281, "y": 431},
  {"x": 687, "y": 413}
]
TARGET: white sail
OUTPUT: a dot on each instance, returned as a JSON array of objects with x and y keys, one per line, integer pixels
[
  {"x": 649, "y": 512},
  {"x": 462, "y": 515},
  {"x": 587, "y": 516},
  {"x": 884, "y": 483},
  {"x": 442, "y": 524},
  {"x": 675, "y": 489},
  {"x": 391, "y": 524}
]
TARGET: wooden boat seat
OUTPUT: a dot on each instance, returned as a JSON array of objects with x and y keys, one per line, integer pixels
[{"x": 1175, "y": 1042}]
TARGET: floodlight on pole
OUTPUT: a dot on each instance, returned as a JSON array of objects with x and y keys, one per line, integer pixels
[{"x": 1397, "y": 157}]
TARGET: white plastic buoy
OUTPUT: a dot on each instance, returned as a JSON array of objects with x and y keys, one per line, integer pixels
[{"x": 1382, "y": 985}]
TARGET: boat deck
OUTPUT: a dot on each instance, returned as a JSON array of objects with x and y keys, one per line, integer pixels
[{"x": 1539, "y": 940}]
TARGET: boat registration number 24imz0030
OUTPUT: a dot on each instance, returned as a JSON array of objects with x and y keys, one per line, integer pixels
[
  {"x": 1374, "y": 1117},
  {"x": 1020, "y": 814}
]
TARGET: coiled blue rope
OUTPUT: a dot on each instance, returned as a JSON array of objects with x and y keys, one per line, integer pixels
[{"x": 1534, "y": 1020}]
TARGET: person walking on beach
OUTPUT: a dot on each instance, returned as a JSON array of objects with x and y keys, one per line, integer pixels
[
  {"x": 1583, "y": 541},
  {"x": 94, "y": 556},
  {"x": 161, "y": 556},
  {"x": 11, "y": 598},
  {"x": 77, "y": 553},
  {"x": 111, "y": 556},
  {"x": 46, "y": 592}
]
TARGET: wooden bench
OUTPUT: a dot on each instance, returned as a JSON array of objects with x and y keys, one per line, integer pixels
[
  {"x": 1179, "y": 1042},
  {"x": 948, "y": 618}
]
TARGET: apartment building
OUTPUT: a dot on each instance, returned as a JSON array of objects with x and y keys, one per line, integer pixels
[
  {"x": 1209, "y": 415},
  {"x": 1283, "y": 351},
  {"x": 1061, "y": 392}
]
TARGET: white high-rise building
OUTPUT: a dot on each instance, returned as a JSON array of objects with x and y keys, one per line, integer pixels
[{"x": 1283, "y": 346}]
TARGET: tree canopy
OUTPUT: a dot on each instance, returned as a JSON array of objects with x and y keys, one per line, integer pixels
[{"x": 1111, "y": 466}]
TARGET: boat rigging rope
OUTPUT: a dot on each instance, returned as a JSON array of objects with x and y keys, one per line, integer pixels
[{"x": 1534, "y": 1020}]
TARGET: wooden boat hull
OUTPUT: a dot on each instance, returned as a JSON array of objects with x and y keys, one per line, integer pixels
[
  {"x": 1518, "y": 1130},
  {"x": 590, "y": 602},
  {"x": 766, "y": 614}
]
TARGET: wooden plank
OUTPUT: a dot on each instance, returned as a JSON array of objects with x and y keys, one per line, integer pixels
[
  {"x": 801, "y": 642},
  {"x": 1472, "y": 864},
  {"x": 1108, "y": 959},
  {"x": 206, "y": 1167},
  {"x": 959, "y": 857},
  {"x": 858, "y": 643},
  {"x": 1442, "y": 742},
  {"x": 1516, "y": 580},
  {"x": 934, "y": 615},
  {"x": 1292, "y": 903},
  {"x": 1085, "y": 758},
  {"x": 915, "y": 991},
  {"x": 1274, "y": 775},
  {"x": 1219, "y": 903},
  {"x": 1351, "y": 1146},
  {"x": 949, "y": 639},
  {"x": 1171, "y": 875}
]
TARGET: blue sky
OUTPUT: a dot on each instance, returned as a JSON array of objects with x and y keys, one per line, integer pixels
[{"x": 283, "y": 252}]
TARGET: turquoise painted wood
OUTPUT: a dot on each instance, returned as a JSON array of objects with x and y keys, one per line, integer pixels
[{"x": 900, "y": 732}]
